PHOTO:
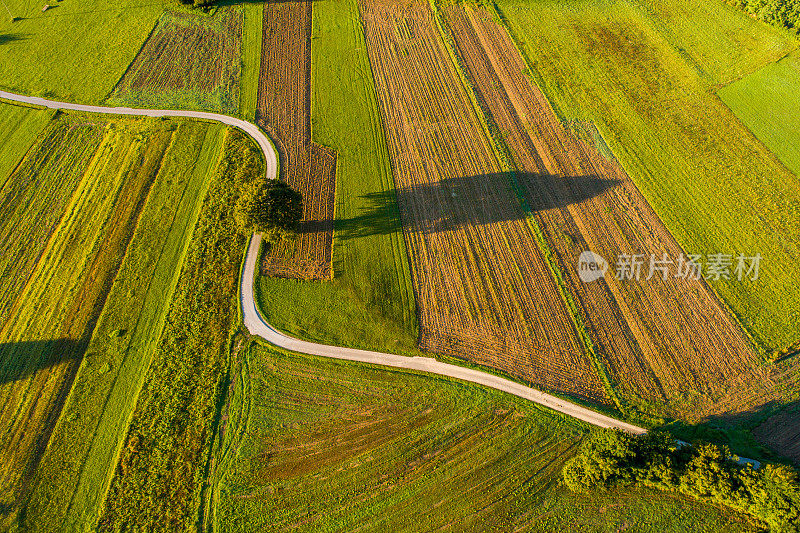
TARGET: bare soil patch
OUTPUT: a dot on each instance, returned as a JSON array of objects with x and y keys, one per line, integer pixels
[{"x": 284, "y": 110}]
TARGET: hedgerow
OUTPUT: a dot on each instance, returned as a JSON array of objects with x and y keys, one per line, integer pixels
[
  {"x": 785, "y": 13},
  {"x": 704, "y": 471}
]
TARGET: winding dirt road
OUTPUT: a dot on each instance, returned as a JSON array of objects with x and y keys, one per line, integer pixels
[
  {"x": 256, "y": 324},
  {"x": 249, "y": 128}
]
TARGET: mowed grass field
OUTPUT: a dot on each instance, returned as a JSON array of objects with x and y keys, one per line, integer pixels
[
  {"x": 370, "y": 302},
  {"x": 96, "y": 219},
  {"x": 766, "y": 102},
  {"x": 158, "y": 483},
  {"x": 252, "y": 31},
  {"x": 75, "y": 51},
  {"x": 649, "y": 86},
  {"x": 189, "y": 61},
  {"x": 316, "y": 445},
  {"x": 19, "y": 126}
]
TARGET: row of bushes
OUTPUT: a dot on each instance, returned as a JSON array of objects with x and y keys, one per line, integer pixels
[
  {"x": 785, "y": 13},
  {"x": 707, "y": 472}
]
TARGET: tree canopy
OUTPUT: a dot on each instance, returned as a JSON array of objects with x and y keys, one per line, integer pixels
[
  {"x": 270, "y": 207},
  {"x": 784, "y": 13}
]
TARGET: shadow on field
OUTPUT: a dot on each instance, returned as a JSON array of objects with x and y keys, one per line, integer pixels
[
  {"x": 24, "y": 358},
  {"x": 221, "y": 3},
  {"x": 11, "y": 37},
  {"x": 770, "y": 431},
  {"x": 464, "y": 201}
]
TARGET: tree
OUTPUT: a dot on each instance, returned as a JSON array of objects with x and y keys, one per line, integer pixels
[
  {"x": 603, "y": 458},
  {"x": 271, "y": 208}
]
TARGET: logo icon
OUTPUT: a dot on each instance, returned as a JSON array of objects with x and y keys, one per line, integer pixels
[{"x": 591, "y": 266}]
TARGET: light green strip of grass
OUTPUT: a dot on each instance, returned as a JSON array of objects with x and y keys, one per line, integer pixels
[
  {"x": 76, "y": 50},
  {"x": 176, "y": 415},
  {"x": 370, "y": 302},
  {"x": 19, "y": 127},
  {"x": 252, "y": 30},
  {"x": 767, "y": 102},
  {"x": 75, "y": 471},
  {"x": 716, "y": 38}
]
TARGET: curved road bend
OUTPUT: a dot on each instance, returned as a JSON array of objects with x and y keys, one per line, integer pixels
[
  {"x": 256, "y": 324},
  {"x": 249, "y": 128}
]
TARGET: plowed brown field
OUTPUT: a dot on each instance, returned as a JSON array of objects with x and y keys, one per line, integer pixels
[
  {"x": 660, "y": 339},
  {"x": 484, "y": 291},
  {"x": 284, "y": 110},
  {"x": 781, "y": 432}
]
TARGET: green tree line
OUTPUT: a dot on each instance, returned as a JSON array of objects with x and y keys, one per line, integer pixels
[
  {"x": 785, "y": 13},
  {"x": 708, "y": 472}
]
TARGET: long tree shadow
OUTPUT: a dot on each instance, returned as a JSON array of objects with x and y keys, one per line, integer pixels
[
  {"x": 19, "y": 360},
  {"x": 770, "y": 431},
  {"x": 11, "y": 37},
  {"x": 241, "y": 2},
  {"x": 24, "y": 358},
  {"x": 453, "y": 203}
]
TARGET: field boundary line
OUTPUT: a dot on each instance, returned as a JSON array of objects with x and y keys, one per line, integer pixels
[{"x": 256, "y": 325}]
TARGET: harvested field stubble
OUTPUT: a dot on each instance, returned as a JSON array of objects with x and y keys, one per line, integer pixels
[
  {"x": 284, "y": 110},
  {"x": 660, "y": 339},
  {"x": 484, "y": 291}
]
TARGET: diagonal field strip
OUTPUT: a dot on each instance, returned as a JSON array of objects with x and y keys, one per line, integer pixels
[{"x": 258, "y": 326}]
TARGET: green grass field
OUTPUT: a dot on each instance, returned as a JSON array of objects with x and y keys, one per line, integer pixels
[
  {"x": 75, "y": 51},
  {"x": 766, "y": 102},
  {"x": 70, "y": 481},
  {"x": 318, "y": 445},
  {"x": 19, "y": 126},
  {"x": 252, "y": 31},
  {"x": 158, "y": 481},
  {"x": 370, "y": 302},
  {"x": 718, "y": 40},
  {"x": 51, "y": 265},
  {"x": 81, "y": 51},
  {"x": 716, "y": 187}
]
